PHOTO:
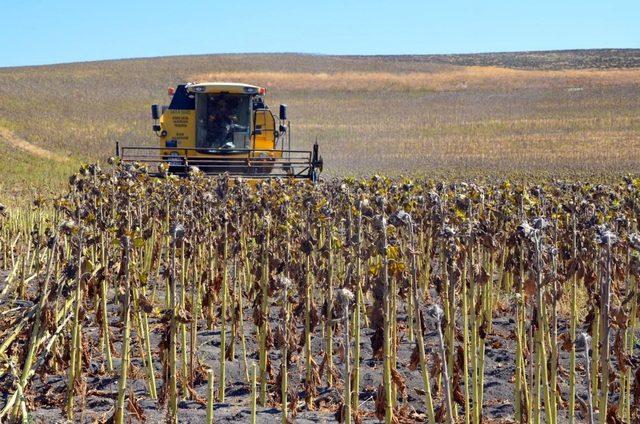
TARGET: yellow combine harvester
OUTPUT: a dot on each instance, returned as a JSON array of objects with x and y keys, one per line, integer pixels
[{"x": 224, "y": 127}]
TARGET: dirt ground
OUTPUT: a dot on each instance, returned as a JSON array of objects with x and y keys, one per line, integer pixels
[{"x": 47, "y": 393}]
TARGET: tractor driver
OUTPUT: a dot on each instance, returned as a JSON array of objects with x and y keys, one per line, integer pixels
[{"x": 221, "y": 123}]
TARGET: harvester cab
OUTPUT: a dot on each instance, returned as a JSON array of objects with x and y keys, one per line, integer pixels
[{"x": 220, "y": 128}]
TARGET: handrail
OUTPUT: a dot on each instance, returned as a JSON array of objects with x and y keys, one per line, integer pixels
[
  {"x": 242, "y": 162},
  {"x": 212, "y": 151}
]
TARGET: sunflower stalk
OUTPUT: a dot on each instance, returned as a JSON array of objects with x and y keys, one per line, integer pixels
[
  {"x": 75, "y": 334},
  {"x": 424, "y": 368},
  {"x": 387, "y": 381},
  {"x": 126, "y": 336},
  {"x": 222, "y": 378}
]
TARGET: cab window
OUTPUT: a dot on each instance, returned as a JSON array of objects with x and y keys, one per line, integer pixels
[{"x": 224, "y": 121}]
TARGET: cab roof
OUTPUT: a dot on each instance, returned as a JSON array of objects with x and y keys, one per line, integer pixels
[{"x": 224, "y": 87}]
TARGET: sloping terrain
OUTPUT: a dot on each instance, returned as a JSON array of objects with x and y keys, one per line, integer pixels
[
  {"x": 556, "y": 60},
  {"x": 8, "y": 137},
  {"x": 553, "y": 114}
]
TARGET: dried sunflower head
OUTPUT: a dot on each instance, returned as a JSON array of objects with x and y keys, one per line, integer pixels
[
  {"x": 68, "y": 227},
  {"x": 583, "y": 341},
  {"x": 344, "y": 296},
  {"x": 435, "y": 314},
  {"x": 177, "y": 231},
  {"x": 448, "y": 232},
  {"x": 400, "y": 218},
  {"x": 539, "y": 223},
  {"x": 525, "y": 230},
  {"x": 605, "y": 236},
  {"x": 634, "y": 240}
]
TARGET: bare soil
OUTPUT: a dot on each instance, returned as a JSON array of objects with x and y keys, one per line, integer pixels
[{"x": 46, "y": 393}]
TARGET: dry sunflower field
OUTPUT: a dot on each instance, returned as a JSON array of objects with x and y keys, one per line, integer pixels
[{"x": 199, "y": 299}]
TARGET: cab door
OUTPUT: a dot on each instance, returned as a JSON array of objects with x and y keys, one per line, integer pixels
[{"x": 266, "y": 123}]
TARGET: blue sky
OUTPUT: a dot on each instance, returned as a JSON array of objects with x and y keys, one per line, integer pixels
[{"x": 36, "y": 32}]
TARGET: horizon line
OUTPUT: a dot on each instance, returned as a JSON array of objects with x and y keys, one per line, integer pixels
[{"x": 122, "y": 59}]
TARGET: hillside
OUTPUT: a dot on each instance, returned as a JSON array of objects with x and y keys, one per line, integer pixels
[
  {"x": 574, "y": 113},
  {"x": 538, "y": 60}
]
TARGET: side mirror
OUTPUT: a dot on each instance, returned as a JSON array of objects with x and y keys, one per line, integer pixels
[
  {"x": 283, "y": 112},
  {"x": 155, "y": 112}
]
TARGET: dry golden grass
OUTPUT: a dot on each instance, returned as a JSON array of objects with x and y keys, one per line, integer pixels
[
  {"x": 370, "y": 114},
  {"x": 459, "y": 78}
]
